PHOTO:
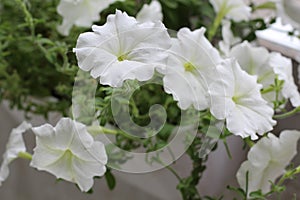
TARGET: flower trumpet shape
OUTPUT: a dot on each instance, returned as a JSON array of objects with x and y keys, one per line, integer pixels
[
  {"x": 237, "y": 10},
  {"x": 151, "y": 12},
  {"x": 69, "y": 152},
  {"x": 80, "y": 13},
  {"x": 14, "y": 147},
  {"x": 267, "y": 160},
  {"x": 236, "y": 97},
  {"x": 266, "y": 69},
  {"x": 123, "y": 49},
  {"x": 190, "y": 68}
]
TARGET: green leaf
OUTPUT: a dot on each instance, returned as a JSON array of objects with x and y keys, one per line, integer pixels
[
  {"x": 110, "y": 179},
  {"x": 257, "y": 195},
  {"x": 277, "y": 188},
  {"x": 91, "y": 191},
  {"x": 170, "y": 3},
  {"x": 266, "y": 5},
  {"x": 240, "y": 191}
]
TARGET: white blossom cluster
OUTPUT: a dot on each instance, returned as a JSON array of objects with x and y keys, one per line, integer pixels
[
  {"x": 194, "y": 72},
  {"x": 67, "y": 151}
]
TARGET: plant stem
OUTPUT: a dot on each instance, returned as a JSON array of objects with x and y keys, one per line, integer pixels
[
  {"x": 227, "y": 149},
  {"x": 267, "y": 90},
  {"x": 217, "y": 21},
  {"x": 173, "y": 171},
  {"x": 96, "y": 130},
  {"x": 25, "y": 155},
  {"x": 288, "y": 114},
  {"x": 266, "y": 5},
  {"x": 249, "y": 142},
  {"x": 28, "y": 17},
  {"x": 288, "y": 175}
]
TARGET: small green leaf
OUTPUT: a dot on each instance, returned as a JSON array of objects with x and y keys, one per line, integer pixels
[
  {"x": 277, "y": 188},
  {"x": 91, "y": 191},
  {"x": 267, "y": 5},
  {"x": 171, "y": 4},
  {"x": 257, "y": 195},
  {"x": 110, "y": 179},
  {"x": 240, "y": 191}
]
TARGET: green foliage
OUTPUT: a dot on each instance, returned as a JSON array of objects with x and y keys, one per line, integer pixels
[
  {"x": 37, "y": 66},
  {"x": 276, "y": 188},
  {"x": 187, "y": 13},
  {"x": 187, "y": 186},
  {"x": 110, "y": 179},
  {"x": 246, "y": 30},
  {"x": 38, "y": 69}
]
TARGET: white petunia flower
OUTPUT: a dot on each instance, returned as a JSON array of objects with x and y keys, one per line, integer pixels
[
  {"x": 190, "y": 68},
  {"x": 80, "y": 13},
  {"x": 288, "y": 10},
  {"x": 123, "y": 49},
  {"x": 237, "y": 10},
  {"x": 14, "y": 147},
  {"x": 267, "y": 160},
  {"x": 69, "y": 152},
  {"x": 254, "y": 60},
  {"x": 245, "y": 111},
  {"x": 283, "y": 67},
  {"x": 266, "y": 68},
  {"x": 151, "y": 12}
]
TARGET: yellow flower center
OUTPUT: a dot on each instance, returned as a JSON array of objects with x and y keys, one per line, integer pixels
[
  {"x": 122, "y": 57},
  {"x": 189, "y": 67},
  {"x": 235, "y": 99}
]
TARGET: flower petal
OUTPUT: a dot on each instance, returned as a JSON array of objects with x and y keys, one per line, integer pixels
[
  {"x": 14, "y": 146},
  {"x": 69, "y": 152},
  {"x": 186, "y": 89},
  {"x": 267, "y": 160},
  {"x": 80, "y": 13},
  {"x": 237, "y": 10},
  {"x": 151, "y": 12},
  {"x": 123, "y": 49},
  {"x": 190, "y": 68},
  {"x": 247, "y": 56},
  {"x": 244, "y": 103},
  {"x": 282, "y": 66}
]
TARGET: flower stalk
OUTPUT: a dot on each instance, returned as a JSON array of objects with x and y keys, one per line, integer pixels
[
  {"x": 217, "y": 21},
  {"x": 287, "y": 114},
  {"x": 25, "y": 155},
  {"x": 96, "y": 130},
  {"x": 289, "y": 174},
  {"x": 28, "y": 17},
  {"x": 266, "y": 5}
]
